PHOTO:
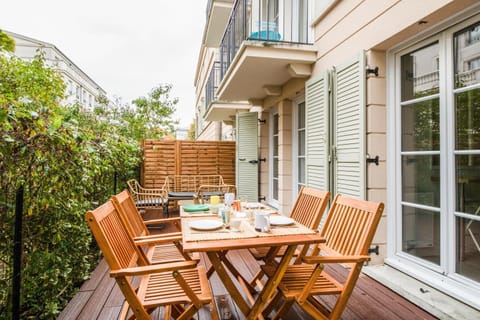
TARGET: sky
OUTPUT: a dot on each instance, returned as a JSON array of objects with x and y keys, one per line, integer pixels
[{"x": 126, "y": 47}]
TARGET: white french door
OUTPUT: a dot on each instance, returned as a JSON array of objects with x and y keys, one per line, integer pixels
[{"x": 436, "y": 142}]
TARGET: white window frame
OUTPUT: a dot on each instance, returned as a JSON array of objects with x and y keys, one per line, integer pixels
[
  {"x": 273, "y": 202},
  {"x": 296, "y": 103},
  {"x": 440, "y": 276}
]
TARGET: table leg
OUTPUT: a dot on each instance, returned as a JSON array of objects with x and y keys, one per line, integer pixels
[
  {"x": 236, "y": 274},
  {"x": 272, "y": 284},
  {"x": 227, "y": 281}
]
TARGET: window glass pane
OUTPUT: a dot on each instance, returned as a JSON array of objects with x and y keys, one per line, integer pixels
[
  {"x": 421, "y": 233},
  {"x": 421, "y": 126},
  {"x": 467, "y": 170},
  {"x": 275, "y": 189},
  {"x": 275, "y": 146},
  {"x": 275, "y": 123},
  {"x": 419, "y": 73},
  {"x": 301, "y": 115},
  {"x": 301, "y": 171},
  {"x": 467, "y": 56},
  {"x": 301, "y": 143},
  {"x": 421, "y": 179},
  {"x": 468, "y": 248},
  {"x": 467, "y": 120}
]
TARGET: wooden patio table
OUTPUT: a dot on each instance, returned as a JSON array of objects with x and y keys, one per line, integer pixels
[{"x": 216, "y": 243}]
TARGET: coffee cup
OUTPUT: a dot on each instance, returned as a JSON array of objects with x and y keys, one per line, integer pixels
[{"x": 262, "y": 221}]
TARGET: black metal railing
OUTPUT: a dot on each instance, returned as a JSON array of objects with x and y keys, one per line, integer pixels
[
  {"x": 266, "y": 21},
  {"x": 212, "y": 84}
]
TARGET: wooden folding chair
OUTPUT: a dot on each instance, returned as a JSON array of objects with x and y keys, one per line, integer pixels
[
  {"x": 181, "y": 288},
  {"x": 308, "y": 210},
  {"x": 348, "y": 230},
  {"x": 159, "y": 248}
]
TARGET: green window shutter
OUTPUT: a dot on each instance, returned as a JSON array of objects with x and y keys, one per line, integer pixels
[
  {"x": 349, "y": 129},
  {"x": 317, "y": 132},
  {"x": 247, "y": 150}
]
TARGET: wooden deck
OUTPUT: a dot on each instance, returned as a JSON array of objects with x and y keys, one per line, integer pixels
[{"x": 100, "y": 298}]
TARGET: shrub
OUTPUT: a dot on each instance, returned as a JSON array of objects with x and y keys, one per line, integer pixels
[{"x": 66, "y": 159}]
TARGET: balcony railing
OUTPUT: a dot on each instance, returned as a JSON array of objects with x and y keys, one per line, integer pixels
[
  {"x": 212, "y": 84},
  {"x": 265, "y": 21}
]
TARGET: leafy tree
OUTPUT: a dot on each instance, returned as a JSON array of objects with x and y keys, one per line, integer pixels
[
  {"x": 191, "y": 131},
  {"x": 151, "y": 117},
  {"x": 6, "y": 43}
]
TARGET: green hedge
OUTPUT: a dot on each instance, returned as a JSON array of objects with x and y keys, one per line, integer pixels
[{"x": 66, "y": 159}]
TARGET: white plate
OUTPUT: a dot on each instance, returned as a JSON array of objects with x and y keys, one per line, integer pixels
[
  {"x": 253, "y": 205},
  {"x": 205, "y": 225},
  {"x": 281, "y": 221}
]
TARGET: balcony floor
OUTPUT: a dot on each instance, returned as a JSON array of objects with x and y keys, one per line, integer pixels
[{"x": 100, "y": 298}]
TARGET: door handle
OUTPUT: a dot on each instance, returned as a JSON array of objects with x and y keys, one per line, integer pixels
[
  {"x": 257, "y": 161},
  {"x": 242, "y": 159}
]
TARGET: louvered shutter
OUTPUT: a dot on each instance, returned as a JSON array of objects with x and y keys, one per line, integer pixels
[
  {"x": 349, "y": 129},
  {"x": 317, "y": 132},
  {"x": 247, "y": 150}
]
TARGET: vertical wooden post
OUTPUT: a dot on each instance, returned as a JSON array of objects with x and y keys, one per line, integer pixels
[
  {"x": 142, "y": 169},
  {"x": 178, "y": 156}
]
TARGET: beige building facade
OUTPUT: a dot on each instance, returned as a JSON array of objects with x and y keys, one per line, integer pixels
[
  {"x": 80, "y": 88},
  {"x": 378, "y": 100}
]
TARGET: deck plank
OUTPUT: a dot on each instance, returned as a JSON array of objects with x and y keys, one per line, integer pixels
[{"x": 96, "y": 303}]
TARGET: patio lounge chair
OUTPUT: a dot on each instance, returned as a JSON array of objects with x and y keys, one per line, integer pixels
[
  {"x": 182, "y": 288},
  {"x": 349, "y": 230},
  {"x": 146, "y": 198}
]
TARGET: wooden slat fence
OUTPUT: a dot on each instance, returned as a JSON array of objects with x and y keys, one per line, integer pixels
[{"x": 169, "y": 157}]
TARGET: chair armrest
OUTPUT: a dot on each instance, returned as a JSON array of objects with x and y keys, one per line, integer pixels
[
  {"x": 209, "y": 186},
  {"x": 216, "y": 187},
  {"x": 143, "y": 270},
  {"x": 161, "y": 221},
  {"x": 335, "y": 259},
  {"x": 157, "y": 240},
  {"x": 152, "y": 193}
]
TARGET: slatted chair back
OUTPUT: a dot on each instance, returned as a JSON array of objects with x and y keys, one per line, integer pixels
[
  {"x": 309, "y": 206},
  {"x": 107, "y": 227},
  {"x": 162, "y": 248},
  {"x": 129, "y": 213},
  {"x": 308, "y": 210},
  {"x": 351, "y": 225}
]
